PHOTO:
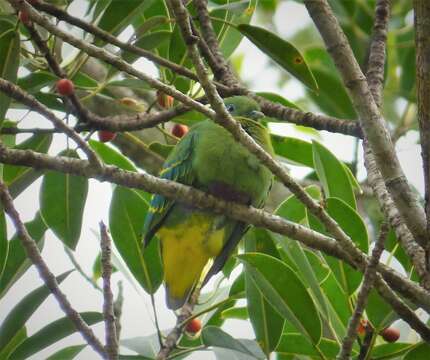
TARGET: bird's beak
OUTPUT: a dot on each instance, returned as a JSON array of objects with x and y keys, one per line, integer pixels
[{"x": 257, "y": 115}]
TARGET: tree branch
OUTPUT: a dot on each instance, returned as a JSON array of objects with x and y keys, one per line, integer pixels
[
  {"x": 108, "y": 306},
  {"x": 370, "y": 118},
  {"x": 48, "y": 278},
  {"x": 366, "y": 287},
  {"x": 422, "y": 43}
]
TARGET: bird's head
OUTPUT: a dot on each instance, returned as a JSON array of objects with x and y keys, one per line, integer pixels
[
  {"x": 243, "y": 106},
  {"x": 248, "y": 113}
]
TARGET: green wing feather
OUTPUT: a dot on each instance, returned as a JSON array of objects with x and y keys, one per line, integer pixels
[{"x": 178, "y": 167}]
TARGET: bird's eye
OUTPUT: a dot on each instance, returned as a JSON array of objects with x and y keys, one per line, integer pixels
[{"x": 230, "y": 108}]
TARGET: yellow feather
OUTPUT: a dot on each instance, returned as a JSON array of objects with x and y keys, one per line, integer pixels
[{"x": 186, "y": 249}]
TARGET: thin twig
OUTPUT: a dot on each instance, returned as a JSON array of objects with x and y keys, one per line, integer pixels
[
  {"x": 108, "y": 305},
  {"x": 48, "y": 278},
  {"x": 366, "y": 287}
]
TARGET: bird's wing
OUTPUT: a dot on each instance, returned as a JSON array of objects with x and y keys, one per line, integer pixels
[{"x": 178, "y": 167}]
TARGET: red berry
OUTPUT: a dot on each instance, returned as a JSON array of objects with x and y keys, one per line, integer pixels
[
  {"x": 194, "y": 326},
  {"x": 65, "y": 87},
  {"x": 362, "y": 326},
  {"x": 24, "y": 17},
  {"x": 179, "y": 130},
  {"x": 390, "y": 334},
  {"x": 165, "y": 101},
  {"x": 106, "y": 136}
]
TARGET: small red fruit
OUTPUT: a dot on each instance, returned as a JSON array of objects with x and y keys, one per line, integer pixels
[
  {"x": 179, "y": 130},
  {"x": 165, "y": 101},
  {"x": 24, "y": 17},
  {"x": 390, "y": 334},
  {"x": 65, "y": 87},
  {"x": 106, "y": 136},
  {"x": 194, "y": 326},
  {"x": 362, "y": 326}
]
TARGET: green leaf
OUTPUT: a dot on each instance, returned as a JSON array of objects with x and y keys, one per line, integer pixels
[
  {"x": 161, "y": 149},
  {"x": 296, "y": 344},
  {"x": 4, "y": 243},
  {"x": 147, "y": 346},
  {"x": 214, "y": 336},
  {"x": 18, "y": 338},
  {"x": 421, "y": 352},
  {"x": 126, "y": 217},
  {"x": 266, "y": 321},
  {"x": 379, "y": 313},
  {"x": 332, "y": 97},
  {"x": 332, "y": 174},
  {"x": 17, "y": 262},
  {"x": 19, "y": 315},
  {"x": 285, "y": 293},
  {"x": 299, "y": 152},
  {"x": 110, "y": 156},
  {"x": 68, "y": 353},
  {"x": 282, "y": 52},
  {"x": 391, "y": 351},
  {"x": 9, "y": 60},
  {"x": 278, "y": 99},
  {"x": 147, "y": 42},
  {"x": 52, "y": 333},
  {"x": 240, "y": 313},
  {"x": 18, "y": 178},
  {"x": 62, "y": 203},
  {"x": 36, "y": 81}
]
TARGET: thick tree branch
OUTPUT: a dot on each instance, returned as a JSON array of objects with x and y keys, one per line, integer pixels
[
  {"x": 172, "y": 190},
  {"x": 48, "y": 278},
  {"x": 370, "y": 117},
  {"x": 422, "y": 43}
]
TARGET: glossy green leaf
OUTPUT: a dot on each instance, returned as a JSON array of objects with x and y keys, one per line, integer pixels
[
  {"x": 22, "y": 311},
  {"x": 277, "y": 99},
  {"x": 296, "y": 344},
  {"x": 18, "y": 338},
  {"x": 332, "y": 174},
  {"x": 151, "y": 23},
  {"x": 282, "y": 52},
  {"x": 68, "y": 353},
  {"x": 18, "y": 178},
  {"x": 266, "y": 321},
  {"x": 50, "y": 334},
  {"x": 147, "y": 346},
  {"x": 161, "y": 149},
  {"x": 420, "y": 352},
  {"x": 17, "y": 261},
  {"x": 9, "y": 50},
  {"x": 240, "y": 313},
  {"x": 4, "y": 243},
  {"x": 147, "y": 42},
  {"x": 285, "y": 293},
  {"x": 332, "y": 97},
  {"x": 214, "y": 336},
  {"x": 37, "y": 80},
  {"x": 379, "y": 313},
  {"x": 52, "y": 101},
  {"x": 111, "y": 156},
  {"x": 126, "y": 217},
  {"x": 62, "y": 203},
  {"x": 391, "y": 351},
  {"x": 299, "y": 152},
  {"x": 84, "y": 81}
]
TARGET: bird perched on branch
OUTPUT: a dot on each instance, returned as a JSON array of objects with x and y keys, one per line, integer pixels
[{"x": 210, "y": 159}]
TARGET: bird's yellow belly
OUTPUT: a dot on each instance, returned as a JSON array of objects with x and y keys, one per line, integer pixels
[{"x": 186, "y": 249}]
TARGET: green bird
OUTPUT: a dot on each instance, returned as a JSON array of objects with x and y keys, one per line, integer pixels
[{"x": 210, "y": 159}]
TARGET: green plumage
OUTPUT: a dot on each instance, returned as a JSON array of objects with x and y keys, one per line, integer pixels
[{"x": 210, "y": 159}]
